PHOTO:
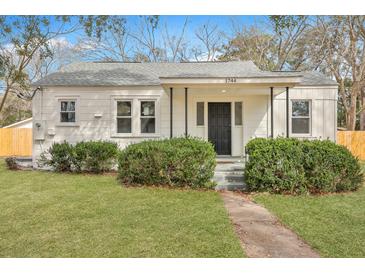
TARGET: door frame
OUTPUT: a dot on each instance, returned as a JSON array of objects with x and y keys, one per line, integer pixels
[
  {"x": 204, "y": 129},
  {"x": 232, "y": 120}
]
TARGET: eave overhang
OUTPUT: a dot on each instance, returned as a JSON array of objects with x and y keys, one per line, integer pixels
[{"x": 287, "y": 81}]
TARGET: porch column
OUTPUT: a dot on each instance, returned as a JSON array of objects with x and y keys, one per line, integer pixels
[
  {"x": 272, "y": 110},
  {"x": 171, "y": 113},
  {"x": 186, "y": 112},
  {"x": 287, "y": 112}
]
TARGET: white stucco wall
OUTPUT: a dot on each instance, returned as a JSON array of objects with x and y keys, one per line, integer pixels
[{"x": 101, "y": 100}]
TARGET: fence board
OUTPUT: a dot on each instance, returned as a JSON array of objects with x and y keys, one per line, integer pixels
[
  {"x": 354, "y": 141},
  {"x": 15, "y": 142}
]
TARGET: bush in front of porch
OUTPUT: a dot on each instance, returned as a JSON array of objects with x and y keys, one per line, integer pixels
[
  {"x": 178, "y": 162},
  {"x": 289, "y": 165}
]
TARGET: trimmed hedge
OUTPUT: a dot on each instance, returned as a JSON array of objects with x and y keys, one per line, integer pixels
[
  {"x": 179, "y": 162},
  {"x": 90, "y": 156},
  {"x": 288, "y": 165},
  {"x": 95, "y": 156}
]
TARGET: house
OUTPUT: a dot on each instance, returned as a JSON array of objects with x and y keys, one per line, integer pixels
[
  {"x": 228, "y": 103},
  {"x": 27, "y": 123}
]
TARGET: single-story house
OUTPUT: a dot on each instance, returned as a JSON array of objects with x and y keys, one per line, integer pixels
[
  {"x": 26, "y": 123},
  {"x": 227, "y": 103}
]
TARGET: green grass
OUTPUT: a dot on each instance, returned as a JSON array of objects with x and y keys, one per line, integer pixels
[
  {"x": 45, "y": 214},
  {"x": 332, "y": 224}
]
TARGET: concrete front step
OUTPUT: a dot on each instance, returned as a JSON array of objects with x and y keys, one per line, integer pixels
[
  {"x": 231, "y": 186},
  {"x": 225, "y": 177},
  {"x": 229, "y": 175},
  {"x": 230, "y": 167}
]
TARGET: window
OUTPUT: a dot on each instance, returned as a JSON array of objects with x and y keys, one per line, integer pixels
[
  {"x": 238, "y": 113},
  {"x": 124, "y": 117},
  {"x": 148, "y": 119},
  {"x": 68, "y": 111},
  {"x": 301, "y": 117},
  {"x": 200, "y": 113}
]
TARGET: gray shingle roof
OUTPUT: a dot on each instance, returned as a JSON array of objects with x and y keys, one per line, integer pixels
[{"x": 120, "y": 74}]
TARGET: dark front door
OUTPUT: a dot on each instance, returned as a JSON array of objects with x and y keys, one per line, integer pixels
[{"x": 219, "y": 127}]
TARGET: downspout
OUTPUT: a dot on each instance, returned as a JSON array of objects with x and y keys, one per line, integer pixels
[
  {"x": 171, "y": 112},
  {"x": 186, "y": 112},
  {"x": 272, "y": 110},
  {"x": 41, "y": 90},
  {"x": 287, "y": 112}
]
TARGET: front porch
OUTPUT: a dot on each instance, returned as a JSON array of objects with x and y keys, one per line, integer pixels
[{"x": 228, "y": 116}]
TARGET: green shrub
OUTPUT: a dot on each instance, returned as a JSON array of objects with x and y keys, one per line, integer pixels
[
  {"x": 60, "y": 156},
  {"x": 180, "y": 162},
  {"x": 95, "y": 156},
  {"x": 330, "y": 167},
  {"x": 11, "y": 163},
  {"x": 288, "y": 165},
  {"x": 90, "y": 156}
]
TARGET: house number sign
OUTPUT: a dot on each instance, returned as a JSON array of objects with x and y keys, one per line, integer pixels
[{"x": 231, "y": 80}]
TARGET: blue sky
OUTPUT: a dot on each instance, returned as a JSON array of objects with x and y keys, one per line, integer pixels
[{"x": 175, "y": 23}]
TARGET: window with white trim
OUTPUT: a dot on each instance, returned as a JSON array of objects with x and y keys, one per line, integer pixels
[
  {"x": 301, "y": 117},
  {"x": 68, "y": 111},
  {"x": 148, "y": 118},
  {"x": 124, "y": 116}
]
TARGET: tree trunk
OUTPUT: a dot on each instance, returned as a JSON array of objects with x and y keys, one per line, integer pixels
[
  {"x": 362, "y": 113},
  {"x": 4, "y": 99},
  {"x": 351, "y": 115}
]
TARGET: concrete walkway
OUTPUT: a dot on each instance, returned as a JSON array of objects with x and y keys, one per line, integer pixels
[{"x": 261, "y": 234}]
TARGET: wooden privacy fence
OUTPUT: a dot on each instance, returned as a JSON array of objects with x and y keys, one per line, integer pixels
[
  {"x": 354, "y": 141},
  {"x": 15, "y": 142}
]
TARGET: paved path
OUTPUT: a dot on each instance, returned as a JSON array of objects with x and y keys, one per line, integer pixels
[{"x": 261, "y": 234}]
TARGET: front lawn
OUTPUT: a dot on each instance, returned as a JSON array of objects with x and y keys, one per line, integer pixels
[
  {"x": 45, "y": 214},
  {"x": 333, "y": 224}
]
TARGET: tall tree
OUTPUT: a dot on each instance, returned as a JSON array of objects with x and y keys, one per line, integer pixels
[
  {"x": 147, "y": 46},
  {"x": 147, "y": 40},
  {"x": 106, "y": 38},
  {"x": 338, "y": 47},
  {"x": 251, "y": 43},
  {"x": 210, "y": 40},
  {"x": 176, "y": 47},
  {"x": 271, "y": 45},
  {"x": 21, "y": 38}
]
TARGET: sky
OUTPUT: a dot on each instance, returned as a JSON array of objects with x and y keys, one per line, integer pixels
[{"x": 175, "y": 22}]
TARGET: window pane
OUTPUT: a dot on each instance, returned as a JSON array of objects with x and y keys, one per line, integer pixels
[
  {"x": 238, "y": 113},
  {"x": 300, "y": 108},
  {"x": 63, "y": 106},
  {"x": 67, "y": 105},
  {"x": 124, "y": 108},
  {"x": 148, "y": 125},
  {"x": 200, "y": 113},
  {"x": 68, "y": 117},
  {"x": 300, "y": 125},
  {"x": 147, "y": 108},
  {"x": 124, "y": 125}
]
